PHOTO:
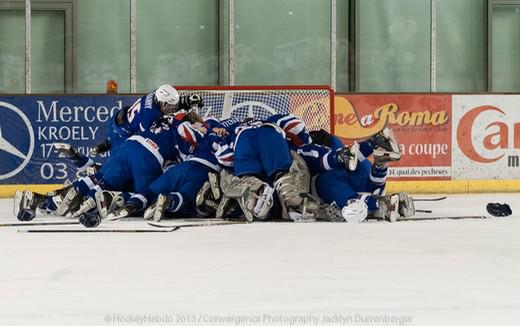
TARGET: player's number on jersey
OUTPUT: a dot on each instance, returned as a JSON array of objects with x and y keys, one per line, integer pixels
[
  {"x": 49, "y": 171},
  {"x": 133, "y": 111}
]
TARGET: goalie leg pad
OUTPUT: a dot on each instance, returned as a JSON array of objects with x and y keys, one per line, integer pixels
[
  {"x": 247, "y": 191},
  {"x": 214, "y": 182},
  {"x": 292, "y": 185}
]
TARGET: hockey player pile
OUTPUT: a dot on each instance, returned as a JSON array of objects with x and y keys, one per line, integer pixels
[{"x": 166, "y": 161}]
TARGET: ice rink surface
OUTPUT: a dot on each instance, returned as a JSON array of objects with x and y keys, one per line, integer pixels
[{"x": 447, "y": 272}]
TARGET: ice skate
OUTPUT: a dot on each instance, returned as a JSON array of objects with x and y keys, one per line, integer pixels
[
  {"x": 26, "y": 204},
  {"x": 385, "y": 145},
  {"x": 71, "y": 200},
  {"x": 86, "y": 206},
  {"x": 406, "y": 205},
  {"x": 348, "y": 155},
  {"x": 108, "y": 201},
  {"x": 395, "y": 206},
  {"x": 20, "y": 201},
  {"x": 128, "y": 210},
  {"x": 205, "y": 197}
]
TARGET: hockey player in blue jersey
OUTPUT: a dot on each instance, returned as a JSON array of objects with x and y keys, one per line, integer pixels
[
  {"x": 258, "y": 161},
  {"x": 130, "y": 120},
  {"x": 175, "y": 190},
  {"x": 137, "y": 163},
  {"x": 357, "y": 190},
  {"x": 164, "y": 101}
]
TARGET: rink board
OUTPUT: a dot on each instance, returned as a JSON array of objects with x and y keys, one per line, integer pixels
[
  {"x": 451, "y": 143},
  {"x": 413, "y": 187}
]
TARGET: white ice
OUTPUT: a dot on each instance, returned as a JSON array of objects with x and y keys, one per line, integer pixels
[{"x": 448, "y": 272}]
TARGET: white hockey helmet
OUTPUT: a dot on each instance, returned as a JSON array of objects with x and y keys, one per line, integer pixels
[
  {"x": 355, "y": 211},
  {"x": 167, "y": 97}
]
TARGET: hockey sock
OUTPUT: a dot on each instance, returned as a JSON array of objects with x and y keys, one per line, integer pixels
[
  {"x": 371, "y": 202},
  {"x": 138, "y": 201},
  {"x": 85, "y": 185},
  {"x": 176, "y": 202},
  {"x": 377, "y": 180},
  {"x": 366, "y": 149},
  {"x": 83, "y": 163}
]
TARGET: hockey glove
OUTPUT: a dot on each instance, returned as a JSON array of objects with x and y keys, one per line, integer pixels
[
  {"x": 67, "y": 150},
  {"x": 90, "y": 220},
  {"x": 499, "y": 210},
  {"x": 189, "y": 102},
  {"x": 101, "y": 148}
]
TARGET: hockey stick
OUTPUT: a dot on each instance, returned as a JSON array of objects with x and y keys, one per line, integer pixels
[
  {"x": 37, "y": 223},
  {"x": 436, "y": 218},
  {"x": 99, "y": 230},
  {"x": 430, "y": 199},
  {"x": 196, "y": 224},
  {"x": 423, "y": 211}
]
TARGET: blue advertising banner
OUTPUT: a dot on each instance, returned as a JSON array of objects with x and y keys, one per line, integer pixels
[{"x": 30, "y": 125}]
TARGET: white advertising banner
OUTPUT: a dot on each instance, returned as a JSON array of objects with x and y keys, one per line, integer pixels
[{"x": 486, "y": 136}]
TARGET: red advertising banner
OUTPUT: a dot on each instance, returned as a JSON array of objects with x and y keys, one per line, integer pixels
[{"x": 421, "y": 123}]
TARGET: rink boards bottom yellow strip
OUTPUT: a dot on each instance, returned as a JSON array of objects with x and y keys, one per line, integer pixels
[
  {"x": 413, "y": 187},
  {"x": 454, "y": 186},
  {"x": 9, "y": 190}
]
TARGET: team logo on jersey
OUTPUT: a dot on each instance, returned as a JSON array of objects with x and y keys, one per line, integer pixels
[{"x": 16, "y": 140}]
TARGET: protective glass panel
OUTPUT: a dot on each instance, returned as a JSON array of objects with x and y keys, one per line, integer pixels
[
  {"x": 12, "y": 51},
  {"x": 48, "y": 51},
  {"x": 394, "y": 46},
  {"x": 506, "y": 48},
  {"x": 342, "y": 44},
  {"x": 103, "y": 45},
  {"x": 461, "y": 45},
  {"x": 177, "y": 43},
  {"x": 282, "y": 42}
]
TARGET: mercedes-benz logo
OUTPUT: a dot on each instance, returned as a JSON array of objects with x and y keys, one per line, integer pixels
[{"x": 10, "y": 148}]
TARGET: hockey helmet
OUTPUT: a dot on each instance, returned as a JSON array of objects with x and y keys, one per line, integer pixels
[{"x": 167, "y": 97}]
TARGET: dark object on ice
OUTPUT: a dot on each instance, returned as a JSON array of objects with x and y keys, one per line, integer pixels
[
  {"x": 497, "y": 209},
  {"x": 26, "y": 215},
  {"x": 90, "y": 220}
]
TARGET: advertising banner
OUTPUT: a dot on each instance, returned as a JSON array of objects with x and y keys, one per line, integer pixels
[
  {"x": 486, "y": 136},
  {"x": 29, "y": 125},
  {"x": 421, "y": 123}
]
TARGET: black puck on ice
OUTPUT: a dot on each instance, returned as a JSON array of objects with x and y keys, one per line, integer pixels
[{"x": 499, "y": 210}]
